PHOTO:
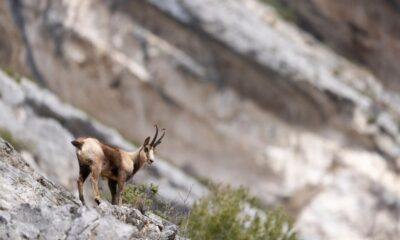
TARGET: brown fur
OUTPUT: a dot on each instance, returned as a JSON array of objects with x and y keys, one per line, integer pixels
[{"x": 115, "y": 164}]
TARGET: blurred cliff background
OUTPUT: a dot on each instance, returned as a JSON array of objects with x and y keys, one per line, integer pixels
[{"x": 297, "y": 100}]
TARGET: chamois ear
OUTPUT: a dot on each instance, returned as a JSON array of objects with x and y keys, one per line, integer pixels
[{"x": 146, "y": 141}]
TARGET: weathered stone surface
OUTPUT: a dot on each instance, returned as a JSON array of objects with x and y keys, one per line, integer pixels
[{"x": 32, "y": 207}]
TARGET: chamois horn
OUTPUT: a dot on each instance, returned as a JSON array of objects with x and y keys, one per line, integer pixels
[
  {"x": 155, "y": 136},
  {"x": 159, "y": 140}
]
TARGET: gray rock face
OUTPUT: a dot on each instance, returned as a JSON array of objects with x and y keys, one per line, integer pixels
[
  {"x": 247, "y": 99},
  {"x": 32, "y": 207}
]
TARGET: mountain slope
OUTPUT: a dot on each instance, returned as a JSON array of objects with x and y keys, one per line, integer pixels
[
  {"x": 247, "y": 99},
  {"x": 32, "y": 207}
]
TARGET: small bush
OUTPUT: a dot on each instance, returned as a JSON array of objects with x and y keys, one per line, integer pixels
[
  {"x": 220, "y": 216},
  {"x": 139, "y": 196}
]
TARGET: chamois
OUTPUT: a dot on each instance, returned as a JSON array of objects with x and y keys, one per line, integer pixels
[{"x": 117, "y": 165}]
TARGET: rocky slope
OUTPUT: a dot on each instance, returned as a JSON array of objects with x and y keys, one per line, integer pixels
[
  {"x": 32, "y": 207},
  {"x": 246, "y": 98}
]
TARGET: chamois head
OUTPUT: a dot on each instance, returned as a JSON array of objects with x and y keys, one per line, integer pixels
[{"x": 148, "y": 148}]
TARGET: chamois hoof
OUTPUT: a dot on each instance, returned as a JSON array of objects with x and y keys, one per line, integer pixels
[{"x": 97, "y": 200}]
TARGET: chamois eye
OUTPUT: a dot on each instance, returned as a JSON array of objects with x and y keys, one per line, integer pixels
[{"x": 146, "y": 149}]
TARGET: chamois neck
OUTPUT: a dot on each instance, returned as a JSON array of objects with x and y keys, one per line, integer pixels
[{"x": 135, "y": 156}]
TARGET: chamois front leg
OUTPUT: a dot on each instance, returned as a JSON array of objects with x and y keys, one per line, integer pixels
[
  {"x": 94, "y": 180},
  {"x": 113, "y": 189},
  {"x": 84, "y": 172},
  {"x": 121, "y": 184}
]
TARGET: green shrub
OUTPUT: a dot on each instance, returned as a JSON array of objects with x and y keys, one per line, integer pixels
[
  {"x": 220, "y": 216},
  {"x": 139, "y": 196}
]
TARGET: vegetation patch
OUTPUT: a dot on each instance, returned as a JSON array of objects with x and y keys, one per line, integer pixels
[
  {"x": 140, "y": 196},
  {"x": 220, "y": 216},
  {"x": 282, "y": 9},
  {"x": 16, "y": 143},
  {"x": 145, "y": 198},
  {"x": 11, "y": 73}
]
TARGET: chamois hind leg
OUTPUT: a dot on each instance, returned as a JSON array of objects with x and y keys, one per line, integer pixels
[
  {"x": 113, "y": 189},
  {"x": 84, "y": 172},
  {"x": 94, "y": 180},
  {"x": 121, "y": 184}
]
